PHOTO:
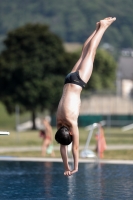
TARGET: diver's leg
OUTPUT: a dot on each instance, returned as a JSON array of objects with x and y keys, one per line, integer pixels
[
  {"x": 86, "y": 65},
  {"x": 84, "y": 49}
]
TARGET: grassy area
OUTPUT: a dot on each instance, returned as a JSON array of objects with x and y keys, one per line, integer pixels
[
  {"x": 8, "y": 121},
  {"x": 36, "y": 154},
  {"x": 28, "y": 138},
  {"x": 114, "y": 154},
  {"x": 31, "y": 138},
  {"x": 119, "y": 155}
]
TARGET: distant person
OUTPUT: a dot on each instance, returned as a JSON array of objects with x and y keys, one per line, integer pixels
[
  {"x": 101, "y": 142},
  {"x": 47, "y": 134},
  {"x": 69, "y": 105}
]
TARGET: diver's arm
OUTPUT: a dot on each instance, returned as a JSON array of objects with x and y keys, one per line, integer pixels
[
  {"x": 75, "y": 147},
  {"x": 63, "y": 151},
  {"x": 75, "y": 151}
]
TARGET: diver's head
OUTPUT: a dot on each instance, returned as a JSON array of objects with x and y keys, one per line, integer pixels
[{"x": 63, "y": 136}]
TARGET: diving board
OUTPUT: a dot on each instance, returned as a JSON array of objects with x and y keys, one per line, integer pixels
[{"x": 4, "y": 133}]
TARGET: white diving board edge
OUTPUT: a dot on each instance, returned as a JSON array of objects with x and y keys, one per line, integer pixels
[{"x": 4, "y": 133}]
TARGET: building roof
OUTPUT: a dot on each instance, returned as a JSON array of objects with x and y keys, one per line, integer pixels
[{"x": 125, "y": 67}]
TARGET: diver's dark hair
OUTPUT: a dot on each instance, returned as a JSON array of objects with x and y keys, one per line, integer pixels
[{"x": 62, "y": 136}]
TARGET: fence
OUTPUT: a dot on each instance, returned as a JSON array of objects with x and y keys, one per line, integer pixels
[{"x": 115, "y": 110}]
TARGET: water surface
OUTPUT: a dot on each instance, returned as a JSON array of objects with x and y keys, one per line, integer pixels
[{"x": 45, "y": 180}]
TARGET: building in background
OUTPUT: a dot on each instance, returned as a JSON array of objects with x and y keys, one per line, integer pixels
[{"x": 124, "y": 81}]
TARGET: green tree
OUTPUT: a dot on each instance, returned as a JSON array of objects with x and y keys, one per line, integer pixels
[
  {"x": 104, "y": 72},
  {"x": 32, "y": 69}
]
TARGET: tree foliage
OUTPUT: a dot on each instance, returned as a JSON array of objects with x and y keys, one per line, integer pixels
[
  {"x": 32, "y": 69},
  {"x": 72, "y": 20},
  {"x": 104, "y": 72}
]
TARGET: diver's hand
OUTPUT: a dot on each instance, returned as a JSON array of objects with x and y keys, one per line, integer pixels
[{"x": 69, "y": 173}]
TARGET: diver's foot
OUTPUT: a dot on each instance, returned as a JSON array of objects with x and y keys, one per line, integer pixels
[{"x": 105, "y": 23}]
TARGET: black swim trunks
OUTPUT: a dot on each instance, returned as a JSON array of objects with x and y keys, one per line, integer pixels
[{"x": 74, "y": 78}]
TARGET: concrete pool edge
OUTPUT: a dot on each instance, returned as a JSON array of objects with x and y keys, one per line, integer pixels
[{"x": 34, "y": 159}]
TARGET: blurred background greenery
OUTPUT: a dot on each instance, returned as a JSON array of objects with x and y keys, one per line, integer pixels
[{"x": 72, "y": 20}]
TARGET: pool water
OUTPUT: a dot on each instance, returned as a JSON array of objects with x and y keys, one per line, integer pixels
[{"x": 45, "y": 180}]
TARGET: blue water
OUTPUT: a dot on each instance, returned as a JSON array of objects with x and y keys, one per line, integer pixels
[{"x": 45, "y": 180}]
